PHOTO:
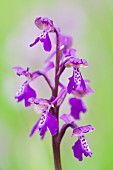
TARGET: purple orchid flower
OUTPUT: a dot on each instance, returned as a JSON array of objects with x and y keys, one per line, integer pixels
[
  {"x": 26, "y": 92},
  {"x": 77, "y": 106},
  {"x": 47, "y": 26},
  {"x": 81, "y": 146},
  {"x": 47, "y": 120},
  {"x": 76, "y": 81}
]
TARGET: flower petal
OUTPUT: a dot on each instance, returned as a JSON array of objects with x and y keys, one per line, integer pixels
[
  {"x": 44, "y": 38},
  {"x": 77, "y": 106},
  {"x": 35, "y": 42},
  {"x": 70, "y": 84},
  {"x": 21, "y": 71},
  {"x": 66, "y": 118},
  {"x": 44, "y": 24},
  {"x": 81, "y": 147},
  {"x": 35, "y": 127},
  {"x": 52, "y": 123}
]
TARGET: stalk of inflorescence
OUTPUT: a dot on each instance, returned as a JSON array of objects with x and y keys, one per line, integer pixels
[{"x": 65, "y": 58}]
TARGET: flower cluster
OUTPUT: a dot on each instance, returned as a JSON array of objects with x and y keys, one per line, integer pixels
[{"x": 77, "y": 87}]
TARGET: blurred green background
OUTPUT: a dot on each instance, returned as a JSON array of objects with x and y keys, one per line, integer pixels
[{"x": 91, "y": 25}]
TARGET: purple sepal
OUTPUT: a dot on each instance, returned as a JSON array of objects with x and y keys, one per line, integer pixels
[
  {"x": 79, "y": 92},
  {"x": 21, "y": 71},
  {"x": 46, "y": 121},
  {"x": 24, "y": 93},
  {"x": 65, "y": 41},
  {"x": 77, "y": 106},
  {"x": 81, "y": 147},
  {"x": 34, "y": 128},
  {"x": 66, "y": 118},
  {"x": 78, "y": 131},
  {"x": 44, "y": 24}
]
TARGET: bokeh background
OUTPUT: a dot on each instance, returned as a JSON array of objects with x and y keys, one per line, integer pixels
[{"x": 91, "y": 25}]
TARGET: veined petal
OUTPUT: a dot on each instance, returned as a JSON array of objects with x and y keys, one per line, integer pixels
[{"x": 78, "y": 131}]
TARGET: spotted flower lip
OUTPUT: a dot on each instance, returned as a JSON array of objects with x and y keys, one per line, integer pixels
[
  {"x": 76, "y": 81},
  {"x": 24, "y": 93},
  {"x": 77, "y": 106},
  {"x": 81, "y": 147},
  {"x": 46, "y": 121}
]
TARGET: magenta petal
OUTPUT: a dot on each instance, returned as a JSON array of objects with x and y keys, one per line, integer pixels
[
  {"x": 21, "y": 71},
  {"x": 70, "y": 85},
  {"x": 66, "y": 118},
  {"x": 81, "y": 147},
  {"x": 52, "y": 124},
  {"x": 77, "y": 106},
  {"x": 35, "y": 127},
  {"x": 86, "y": 129},
  {"x": 43, "y": 131},
  {"x": 44, "y": 38},
  {"x": 35, "y": 42},
  {"x": 77, "y": 149}
]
